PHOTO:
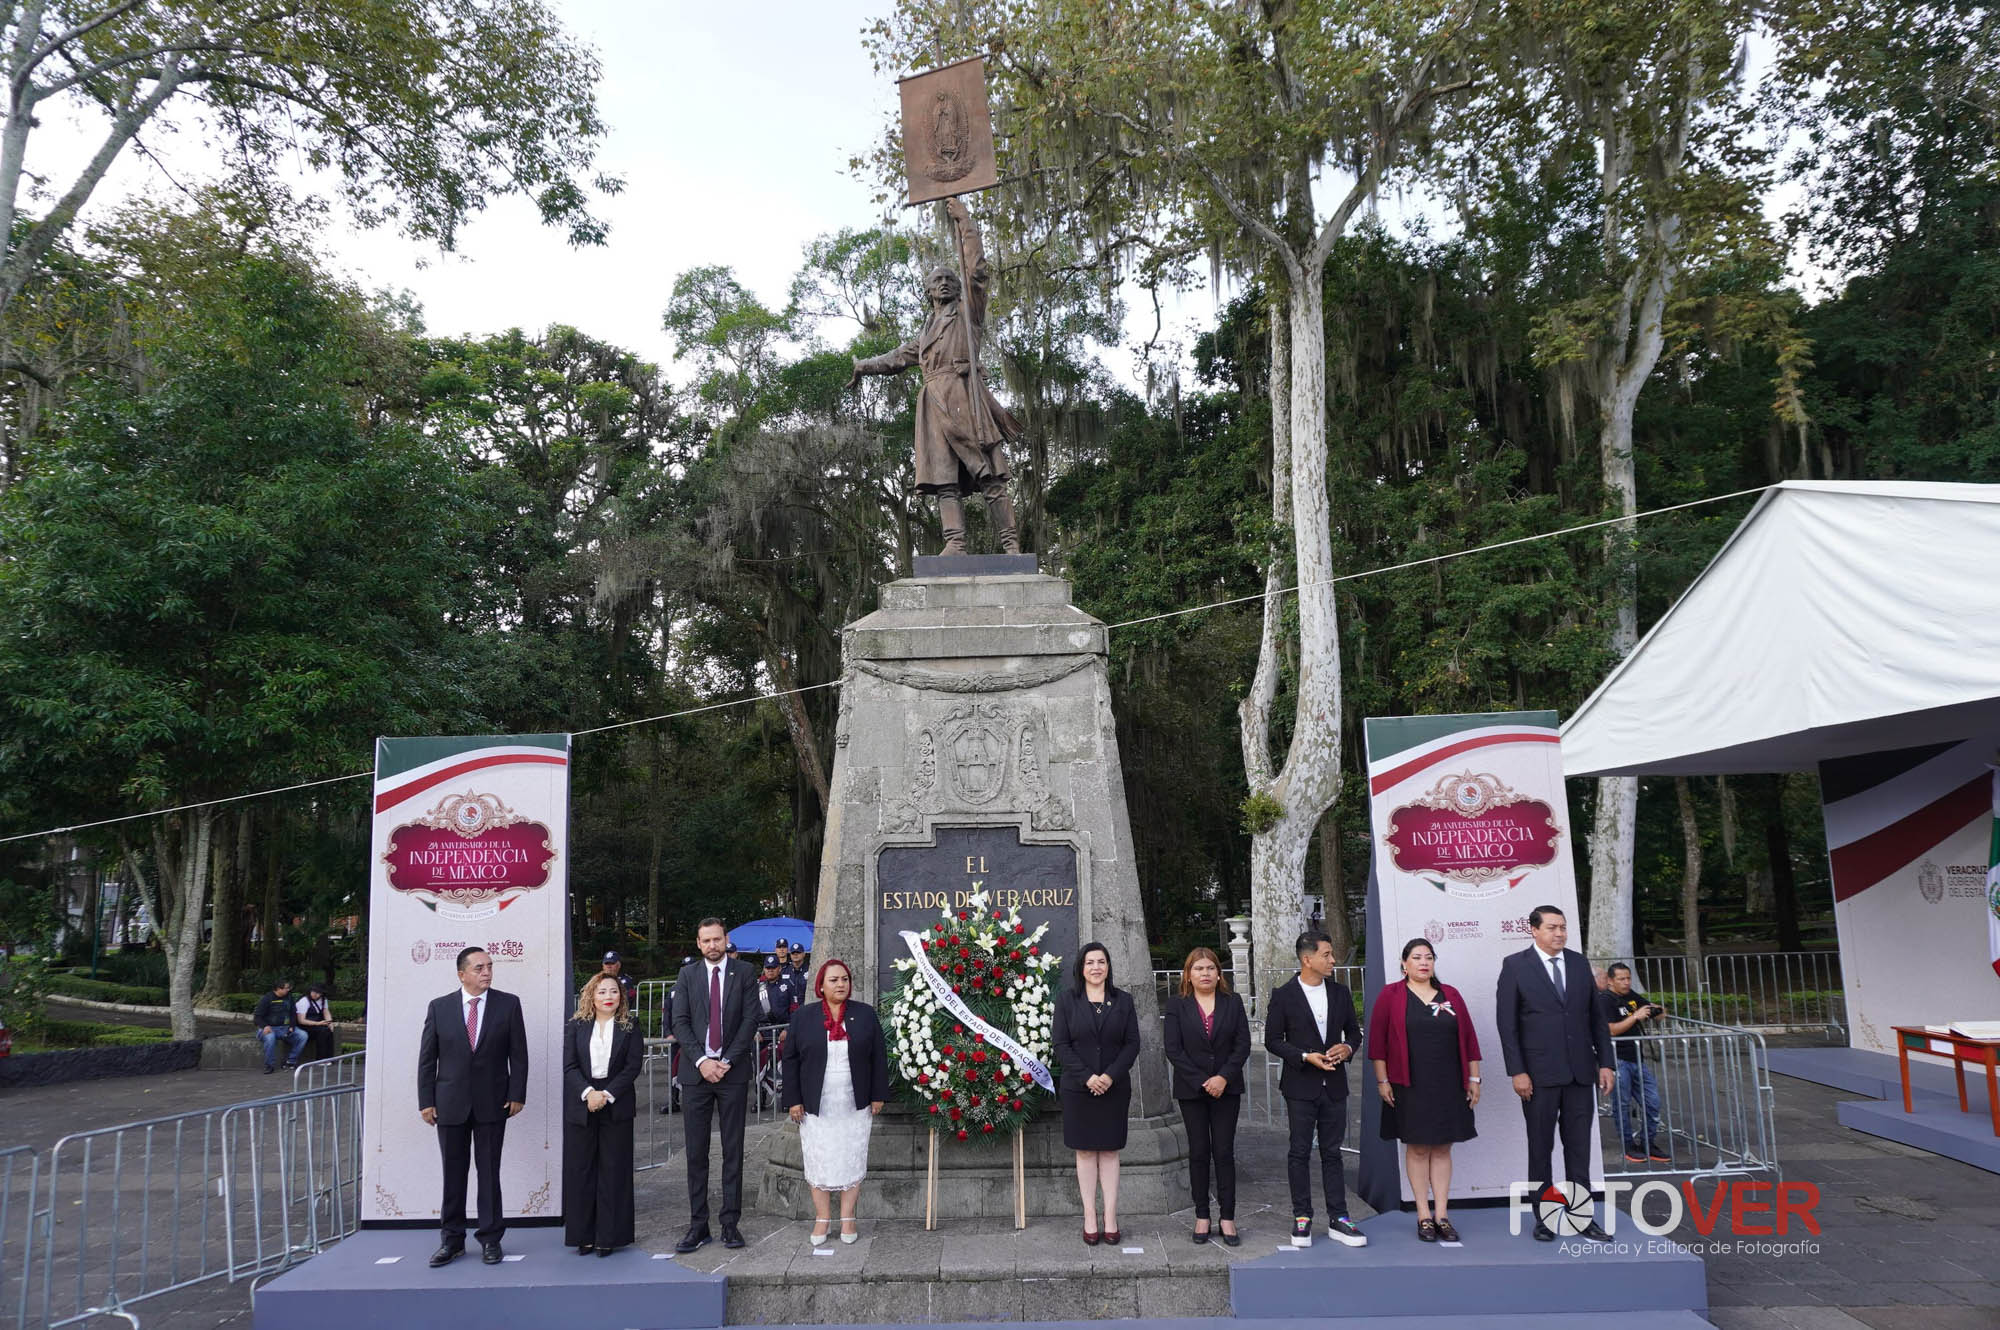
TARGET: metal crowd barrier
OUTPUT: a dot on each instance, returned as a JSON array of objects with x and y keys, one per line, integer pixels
[
  {"x": 659, "y": 1130},
  {"x": 130, "y": 1212},
  {"x": 347, "y": 1069},
  {"x": 17, "y": 1206},
  {"x": 1717, "y": 1105},
  {"x": 1771, "y": 992}
]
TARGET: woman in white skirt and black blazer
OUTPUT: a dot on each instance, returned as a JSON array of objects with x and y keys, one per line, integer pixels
[{"x": 836, "y": 1079}]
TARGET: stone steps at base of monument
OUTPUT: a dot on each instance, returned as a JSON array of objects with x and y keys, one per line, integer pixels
[
  {"x": 382, "y": 1277},
  {"x": 1494, "y": 1273}
]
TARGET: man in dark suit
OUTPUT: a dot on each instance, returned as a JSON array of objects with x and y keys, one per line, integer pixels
[
  {"x": 472, "y": 1075},
  {"x": 1556, "y": 1044},
  {"x": 1311, "y": 1028},
  {"x": 715, "y": 1021}
]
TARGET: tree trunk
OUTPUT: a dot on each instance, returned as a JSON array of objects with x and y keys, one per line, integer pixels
[
  {"x": 269, "y": 955},
  {"x": 1690, "y": 878},
  {"x": 1333, "y": 886},
  {"x": 176, "y": 892},
  {"x": 225, "y": 938},
  {"x": 1309, "y": 781},
  {"x": 1778, "y": 846}
]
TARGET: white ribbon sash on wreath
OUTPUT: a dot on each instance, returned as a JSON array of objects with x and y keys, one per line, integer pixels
[{"x": 956, "y": 1005}]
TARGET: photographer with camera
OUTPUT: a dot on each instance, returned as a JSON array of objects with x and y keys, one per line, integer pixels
[{"x": 1626, "y": 1012}]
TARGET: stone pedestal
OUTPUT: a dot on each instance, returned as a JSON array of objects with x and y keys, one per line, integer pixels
[{"x": 976, "y": 750}]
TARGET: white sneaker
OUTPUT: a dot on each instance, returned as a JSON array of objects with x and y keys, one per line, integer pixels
[{"x": 1343, "y": 1231}]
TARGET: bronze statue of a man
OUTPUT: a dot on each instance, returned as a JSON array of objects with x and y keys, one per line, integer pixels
[{"x": 961, "y": 429}]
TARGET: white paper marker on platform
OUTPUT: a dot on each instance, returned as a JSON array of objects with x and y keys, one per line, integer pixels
[
  {"x": 659, "y": 1256},
  {"x": 387, "y": 1260},
  {"x": 1133, "y": 1251},
  {"x": 513, "y": 1258},
  {"x": 818, "y": 1252}
]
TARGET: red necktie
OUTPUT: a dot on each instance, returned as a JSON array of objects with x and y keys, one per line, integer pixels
[
  {"x": 715, "y": 1007},
  {"x": 472, "y": 1023}
]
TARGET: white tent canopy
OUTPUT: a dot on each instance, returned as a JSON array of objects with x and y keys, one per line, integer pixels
[{"x": 1840, "y": 618}]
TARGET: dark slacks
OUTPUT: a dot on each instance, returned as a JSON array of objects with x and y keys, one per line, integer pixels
[
  {"x": 1571, "y": 1108},
  {"x": 701, "y": 1103},
  {"x": 1211, "y": 1133},
  {"x": 466, "y": 1144},
  {"x": 1324, "y": 1116},
  {"x": 598, "y": 1208},
  {"x": 319, "y": 1044}
]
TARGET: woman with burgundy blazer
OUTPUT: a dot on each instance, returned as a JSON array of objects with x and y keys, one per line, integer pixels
[
  {"x": 1208, "y": 1041},
  {"x": 1426, "y": 1058}
]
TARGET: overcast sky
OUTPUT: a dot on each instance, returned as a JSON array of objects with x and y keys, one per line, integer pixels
[{"x": 732, "y": 126}]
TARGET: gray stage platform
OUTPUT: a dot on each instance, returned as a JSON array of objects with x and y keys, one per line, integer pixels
[
  {"x": 350, "y": 1285},
  {"x": 1667, "y": 1320},
  {"x": 1937, "y": 1125},
  {"x": 1860, "y": 1072},
  {"x": 1495, "y": 1274}
]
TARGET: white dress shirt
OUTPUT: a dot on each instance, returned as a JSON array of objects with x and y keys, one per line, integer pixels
[
  {"x": 465, "y": 1001},
  {"x": 600, "y": 1057},
  {"x": 708, "y": 981}
]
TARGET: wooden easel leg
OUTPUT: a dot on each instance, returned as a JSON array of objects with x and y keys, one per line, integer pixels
[
  {"x": 1020, "y": 1184},
  {"x": 930, "y": 1186}
]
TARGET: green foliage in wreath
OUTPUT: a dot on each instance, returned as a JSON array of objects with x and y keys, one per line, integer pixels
[{"x": 965, "y": 1087}]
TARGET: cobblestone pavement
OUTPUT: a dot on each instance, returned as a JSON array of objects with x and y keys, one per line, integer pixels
[{"x": 1908, "y": 1239}]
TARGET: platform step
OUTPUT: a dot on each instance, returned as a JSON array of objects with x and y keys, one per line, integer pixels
[
  {"x": 1495, "y": 1274},
  {"x": 381, "y": 1277},
  {"x": 1936, "y": 1126},
  {"x": 1653, "y": 1320}
]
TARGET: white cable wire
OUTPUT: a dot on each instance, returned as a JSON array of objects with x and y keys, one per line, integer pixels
[{"x": 835, "y": 683}]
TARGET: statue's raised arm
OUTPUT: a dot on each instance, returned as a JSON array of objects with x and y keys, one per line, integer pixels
[{"x": 961, "y": 429}]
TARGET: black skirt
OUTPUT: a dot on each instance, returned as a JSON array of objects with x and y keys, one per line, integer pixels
[
  {"x": 1431, "y": 1109},
  {"x": 1096, "y": 1121}
]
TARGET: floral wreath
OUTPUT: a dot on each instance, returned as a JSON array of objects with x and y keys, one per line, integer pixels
[{"x": 949, "y": 1073}]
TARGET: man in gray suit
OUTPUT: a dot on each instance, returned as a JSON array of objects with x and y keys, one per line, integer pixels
[
  {"x": 715, "y": 1021},
  {"x": 1556, "y": 1044}
]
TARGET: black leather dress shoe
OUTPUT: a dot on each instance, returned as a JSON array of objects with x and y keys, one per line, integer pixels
[
  {"x": 693, "y": 1240},
  {"x": 1594, "y": 1233},
  {"x": 489, "y": 1252},
  {"x": 604, "y": 1251},
  {"x": 731, "y": 1237},
  {"x": 1544, "y": 1234},
  {"x": 584, "y": 1249},
  {"x": 446, "y": 1254}
]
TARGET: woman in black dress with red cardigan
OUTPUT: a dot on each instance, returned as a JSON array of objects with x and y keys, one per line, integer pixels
[
  {"x": 1426, "y": 1060},
  {"x": 1208, "y": 1041}
]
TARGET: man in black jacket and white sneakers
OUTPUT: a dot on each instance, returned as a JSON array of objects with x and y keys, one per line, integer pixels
[
  {"x": 472, "y": 1075},
  {"x": 1311, "y": 1028}
]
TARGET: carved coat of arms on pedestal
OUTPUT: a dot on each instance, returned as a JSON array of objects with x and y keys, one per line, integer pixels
[{"x": 977, "y": 756}]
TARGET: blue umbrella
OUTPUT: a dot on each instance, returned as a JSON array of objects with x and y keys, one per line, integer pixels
[{"x": 761, "y": 935}]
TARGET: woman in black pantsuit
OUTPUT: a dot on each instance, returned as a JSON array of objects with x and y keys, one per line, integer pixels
[
  {"x": 601, "y": 1058},
  {"x": 1096, "y": 1042},
  {"x": 1208, "y": 1041}
]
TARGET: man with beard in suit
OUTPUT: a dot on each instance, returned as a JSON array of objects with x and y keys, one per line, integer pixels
[
  {"x": 1556, "y": 1044},
  {"x": 472, "y": 1075},
  {"x": 715, "y": 1022}
]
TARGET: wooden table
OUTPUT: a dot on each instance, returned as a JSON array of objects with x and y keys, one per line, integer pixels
[{"x": 1980, "y": 1052}]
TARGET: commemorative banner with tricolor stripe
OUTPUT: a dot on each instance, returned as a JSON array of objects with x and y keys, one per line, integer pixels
[
  {"x": 470, "y": 848},
  {"x": 1910, "y": 840},
  {"x": 1471, "y": 832}
]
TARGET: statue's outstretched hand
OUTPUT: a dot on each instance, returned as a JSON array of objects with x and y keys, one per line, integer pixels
[
  {"x": 955, "y": 208},
  {"x": 854, "y": 379}
]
